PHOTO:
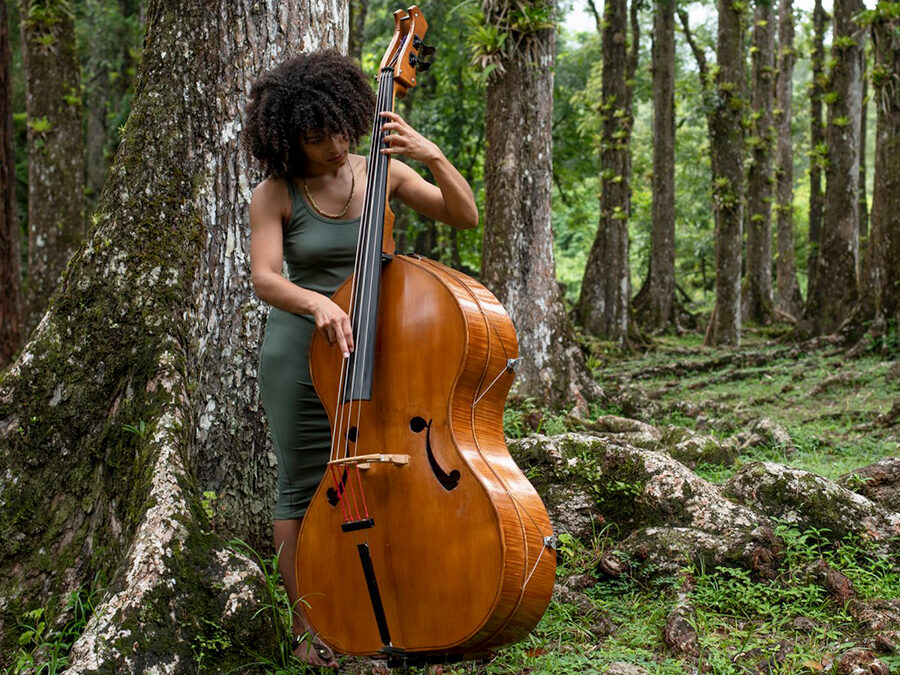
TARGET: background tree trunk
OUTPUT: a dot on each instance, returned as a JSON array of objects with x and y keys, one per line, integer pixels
[
  {"x": 835, "y": 292},
  {"x": 658, "y": 309},
  {"x": 137, "y": 392},
  {"x": 760, "y": 300},
  {"x": 881, "y": 270},
  {"x": 817, "y": 145},
  {"x": 517, "y": 256},
  {"x": 605, "y": 301},
  {"x": 787, "y": 290},
  {"x": 11, "y": 303},
  {"x": 358, "y": 11},
  {"x": 726, "y": 144},
  {"x": 863, "y": 114},
  {"x": 109, "y": 60},
  {"x": 55, "y": 148}
]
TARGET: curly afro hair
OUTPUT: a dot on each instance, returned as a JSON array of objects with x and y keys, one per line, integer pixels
[{"x": 321, "y": 91}]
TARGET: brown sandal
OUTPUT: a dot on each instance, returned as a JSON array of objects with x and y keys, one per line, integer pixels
[{"x": 317, "y": 647}]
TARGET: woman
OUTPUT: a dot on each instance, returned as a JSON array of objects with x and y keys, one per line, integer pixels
[{"x": 303, "y": 118}]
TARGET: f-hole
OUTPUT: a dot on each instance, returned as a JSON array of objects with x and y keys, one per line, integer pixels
[
  {"x": 447, "y": 481},
  {"x": 334, "y": 494}
]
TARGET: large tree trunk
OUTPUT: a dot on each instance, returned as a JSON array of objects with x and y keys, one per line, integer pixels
[
  {"x": 137, "y": 392},
  {"x": 787, "y": 290},
  {"x": 604, "y": 303},
  {"x": 880, "y": 302},
  {"x": 55, "y": 148},
  {"x": 835, "y": 291},
  {"x": 517, "y": 258},
  {"x": 760, "y": 301},
  {"x": 726, "y": 142},
  {"x": 11, "y": 304},
  {"x": 817, "y": 145},
  {"x": 657, "y": 310}
]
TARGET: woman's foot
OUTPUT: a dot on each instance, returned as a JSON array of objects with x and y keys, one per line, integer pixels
[{"x": 313, "y": 652}]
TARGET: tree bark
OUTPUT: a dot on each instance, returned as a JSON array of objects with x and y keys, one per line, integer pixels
[
  {"x": 760, "y": 301},
  {"x": 137, "y": 392},
  {"x": 658, "y": 311},
  {"x": 55, "y": 148},
  {"x": 11, "y": 303},
  {"x": 727, "y": 157},
  {"x": 604, "y": 303},
  {"x": 517, "y": 255},
  {"x": 787, "y": 290},
  {"x": 817, "y": 145},
  {"x": 835, "y": 291},
  {"x": 880, "y": 302}
]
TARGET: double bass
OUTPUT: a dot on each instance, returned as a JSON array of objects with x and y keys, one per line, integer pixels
[{"x": 424, "y": 542}]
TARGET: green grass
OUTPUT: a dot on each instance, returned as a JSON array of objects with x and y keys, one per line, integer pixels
[{"x": 44, "y": 648}]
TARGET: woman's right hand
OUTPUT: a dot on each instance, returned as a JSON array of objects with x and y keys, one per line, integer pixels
[{"x": 335, "y": 325}]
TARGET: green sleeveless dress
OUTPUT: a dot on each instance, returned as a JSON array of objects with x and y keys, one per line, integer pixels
[{"x": 320, "y": 253}]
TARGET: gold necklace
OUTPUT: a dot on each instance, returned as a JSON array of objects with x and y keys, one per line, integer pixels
[{"x": 333, "y": 216}]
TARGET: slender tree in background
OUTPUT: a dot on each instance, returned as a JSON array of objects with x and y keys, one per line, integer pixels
[
  {"x": 517, "y": 258},
  {"x": 655, "y": 303},
  {"x": 787, "y": 290},
  {"x": 725, "y": 105},
  {"x": 835, "y": 292},
  {"x": 11, "y": 304},
  {"x": 880, "y": 292},
  {"x": 817, "y": 144},
  {"x": 760, "y": 299},
  {"x": 55, "y": 148},
  {"x": 137, "y": 392},
  {"x": 863, "y": 114},
  {"x": 605, "y": 301},
  {"x": 109, "y": 36},
  {"x": 358, "y": 11}
]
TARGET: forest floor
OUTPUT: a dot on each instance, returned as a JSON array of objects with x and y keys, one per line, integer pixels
[
  {"x": 840, "y": 414},
  {"x": 833, "y": 414}
]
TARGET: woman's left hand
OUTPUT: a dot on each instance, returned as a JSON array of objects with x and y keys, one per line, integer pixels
[{"x": 407, "y": 141}]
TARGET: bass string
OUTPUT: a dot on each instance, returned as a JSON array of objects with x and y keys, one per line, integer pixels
[
  {"x": 371, "y": 267},
  {"x": 361, "y": 294},
  {"x": 362, "y": 237}
]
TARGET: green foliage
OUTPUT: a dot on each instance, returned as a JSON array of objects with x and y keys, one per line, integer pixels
[
  {"x": 843, "y": 42},
  {"x": 46, "y": 636},
  {"x": 40, "y": 125}
]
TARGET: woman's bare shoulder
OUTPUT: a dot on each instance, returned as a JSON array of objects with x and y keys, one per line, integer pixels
[
  {"x": 271, "y": 196},
  {"x": 271, "y": 188}
]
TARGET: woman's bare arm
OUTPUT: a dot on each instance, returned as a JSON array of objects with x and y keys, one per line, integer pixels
[
  {"x": 451, "y": 201},
  {"x": 267, "y": 213}
]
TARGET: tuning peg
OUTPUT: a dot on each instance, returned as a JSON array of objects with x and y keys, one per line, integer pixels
[
  {"x": 419, "y": 64},
  {"x": 426, "y": 50}
]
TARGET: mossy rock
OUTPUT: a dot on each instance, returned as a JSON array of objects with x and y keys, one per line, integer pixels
[
  {"x": 693, "y": 449},
  {"x": 811, "y": 501},
  {"x": 631, "y": 487}
]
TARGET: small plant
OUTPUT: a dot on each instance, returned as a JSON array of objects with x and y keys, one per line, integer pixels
[
  {"x": 140, "y": 429},
  {"x": 43, "y": 650}
]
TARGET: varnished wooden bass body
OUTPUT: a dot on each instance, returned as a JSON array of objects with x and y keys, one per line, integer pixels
[{"x": 458, "y": 542}]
